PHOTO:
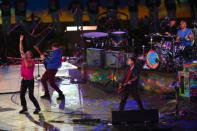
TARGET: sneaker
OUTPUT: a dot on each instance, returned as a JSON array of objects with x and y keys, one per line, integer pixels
[
  {"x": 61, "y": 97},
  {"x": 36, "y": 111},
  {"x": 45, "y": 96},
  {"x": 23, "y": 111}
]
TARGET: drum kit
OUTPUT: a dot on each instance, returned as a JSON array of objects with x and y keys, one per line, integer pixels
[
  {"x": 165, "y": 53},
  {"x": 116, "y": 40}
]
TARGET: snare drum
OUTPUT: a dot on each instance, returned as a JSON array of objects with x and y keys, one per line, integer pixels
[
  {"x": 118, "y": 38},
  {"x": 96, "y": 39},
  {"x": 167, "y": 45}
]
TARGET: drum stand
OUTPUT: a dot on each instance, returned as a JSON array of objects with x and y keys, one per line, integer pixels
[{"x": 151, "y": 41}]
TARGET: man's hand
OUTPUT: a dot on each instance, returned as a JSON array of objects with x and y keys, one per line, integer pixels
[
  {"x": 187, "y": 38},
  {"x": 42, "y": 56},
  {"x": 21, "y": 37},
  {"x": 120, "y": 88},
  {"x": 128, "y": 83}
]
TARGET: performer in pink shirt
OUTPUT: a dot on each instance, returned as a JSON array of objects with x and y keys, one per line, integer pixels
[{"x": 27, "y": 70}]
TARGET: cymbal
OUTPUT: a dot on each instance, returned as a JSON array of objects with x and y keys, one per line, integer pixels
[
  {"x": 160, "y": 35},
  {"x": 154, "y": 43},
  {"x": 153, "y": 35},
  {"x": 169, "y": 36}
]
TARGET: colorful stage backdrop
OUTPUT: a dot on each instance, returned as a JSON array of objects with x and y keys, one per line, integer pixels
[{"x": 40, "y": 8}]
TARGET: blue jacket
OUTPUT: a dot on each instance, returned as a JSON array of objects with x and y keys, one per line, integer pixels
[{"x": 55, "y": 60}]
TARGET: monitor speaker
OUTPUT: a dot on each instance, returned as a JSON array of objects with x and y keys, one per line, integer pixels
[{"x": 135, "y": 116}]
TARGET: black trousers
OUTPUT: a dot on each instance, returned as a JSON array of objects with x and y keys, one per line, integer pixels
[
  {"x": 124, "y": 96},
  {"x": 187, "y": 53},
  {"x": 28, "y": 84},
  {"x": 49, "y": 76}
]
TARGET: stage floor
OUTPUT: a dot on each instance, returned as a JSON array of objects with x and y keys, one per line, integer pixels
[{"x": 82, "y": 101}]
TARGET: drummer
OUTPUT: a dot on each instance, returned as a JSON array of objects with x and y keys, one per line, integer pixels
[
  {"x": 184, "y": 35},
  {"x": 185, "y": 38}
]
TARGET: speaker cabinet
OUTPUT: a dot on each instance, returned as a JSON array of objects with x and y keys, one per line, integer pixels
[
  {"x": 135, "y": 116},
  {"x": 95, "y": 57}
]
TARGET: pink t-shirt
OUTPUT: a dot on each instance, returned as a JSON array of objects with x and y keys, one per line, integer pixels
[{"x": 27, "y": 72}]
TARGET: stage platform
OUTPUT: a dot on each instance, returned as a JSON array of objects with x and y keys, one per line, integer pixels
[
  {"x": 10, "y": 76},
  {"x": 84, "y": 101}
]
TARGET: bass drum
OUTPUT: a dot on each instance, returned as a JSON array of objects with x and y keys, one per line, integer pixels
[
  {"x": 152, "y": 59},
  {"x": 159, "y": 59}
]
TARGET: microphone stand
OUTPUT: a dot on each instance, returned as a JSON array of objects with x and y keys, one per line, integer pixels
[
  {"x": 38, "y": 68},
  {"x": 115, "y": 69}
]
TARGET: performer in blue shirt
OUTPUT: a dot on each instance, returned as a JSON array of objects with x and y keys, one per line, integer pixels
[
  {"x": 185, "y": 35},
  {"x": 52, "y": 65},
  {"x": 186, "y": 38}
]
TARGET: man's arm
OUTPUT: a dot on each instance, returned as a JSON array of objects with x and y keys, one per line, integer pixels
[
  {"x": 191, "y": 36},
  {"x": 21, "y": 49},
  {"x": 129, "y": 82},
  {"x": 23, "y": 56}
]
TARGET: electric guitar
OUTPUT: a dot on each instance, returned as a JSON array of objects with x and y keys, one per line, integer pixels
[
  {"x": 122, "y": 87},
  {"x": 127, "y": 82}
]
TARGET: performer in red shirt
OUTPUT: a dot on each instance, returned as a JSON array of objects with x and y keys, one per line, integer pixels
[{"x": 27, "y": 70}]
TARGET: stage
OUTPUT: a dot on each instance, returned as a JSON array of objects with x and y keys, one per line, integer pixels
[{"x": 87, "y": 106}]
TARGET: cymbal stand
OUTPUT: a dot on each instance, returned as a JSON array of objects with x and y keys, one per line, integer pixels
[
  {"x": 143, "y": 50},
  {"x": 115, "y": 70},
  {"x": 173, "y": 53},
  {"x": 151, "y": 41},
  {"x": 38, "y": 68}
]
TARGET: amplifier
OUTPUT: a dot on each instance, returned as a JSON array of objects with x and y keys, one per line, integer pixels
[
  {"x": 114, "y": 59},
  {"x": 95, "y": 57}
]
